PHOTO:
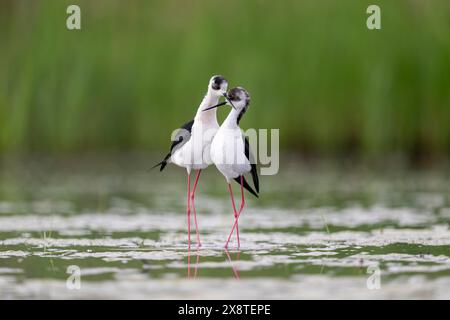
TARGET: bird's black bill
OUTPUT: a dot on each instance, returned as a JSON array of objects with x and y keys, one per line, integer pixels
[
  {"x": 229, "y": 101},
  {"x": 222, "y": 103},
  {"x": 217, "y": 105}
]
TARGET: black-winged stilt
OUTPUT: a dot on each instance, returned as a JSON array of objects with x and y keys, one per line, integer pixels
[
  {"x": 191, "y": 147},
  {"x": 230, "y": 151}
]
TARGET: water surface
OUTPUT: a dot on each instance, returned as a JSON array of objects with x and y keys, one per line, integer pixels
[{"x": 317, "y": 231}]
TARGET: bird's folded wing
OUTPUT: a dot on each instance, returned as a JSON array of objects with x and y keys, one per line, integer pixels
[
  {"x": 183, "y": 135},
  {"x": 253, "y": 171}
]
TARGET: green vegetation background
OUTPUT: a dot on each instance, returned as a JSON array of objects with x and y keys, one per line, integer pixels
[{"x": 138, "y": 69}]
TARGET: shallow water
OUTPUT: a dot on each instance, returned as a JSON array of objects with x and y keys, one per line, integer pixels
[{"x": 316, "y": 232}]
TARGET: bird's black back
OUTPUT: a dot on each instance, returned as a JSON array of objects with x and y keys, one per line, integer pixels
[
  {"x": 183, "y": 135},
  {"x": 253, "y": 171}
]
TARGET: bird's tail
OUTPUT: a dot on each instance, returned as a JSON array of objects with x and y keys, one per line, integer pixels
[
  {"x": 246, "y": 185},
  {"x": 163, "y": 163}
]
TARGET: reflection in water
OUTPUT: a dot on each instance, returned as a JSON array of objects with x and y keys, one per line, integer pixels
[
  {"x": 197, "y": 254},
  {"x": 189, "y": 263},
  {"x": 235, "y": 269}
]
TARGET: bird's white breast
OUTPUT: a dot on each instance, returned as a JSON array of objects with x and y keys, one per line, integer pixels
[
  {"x": 195, "y": 154},
  {"x": 228, "y": 153}
]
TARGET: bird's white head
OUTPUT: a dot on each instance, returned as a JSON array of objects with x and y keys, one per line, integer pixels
[
  {"x": 238, "y": 98},
  {"x": 218, "y": 86}
]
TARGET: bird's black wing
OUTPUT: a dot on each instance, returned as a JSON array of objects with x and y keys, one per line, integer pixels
[
  {"x": 253, "y": 171},
  {"x": 183, "y": 135}
]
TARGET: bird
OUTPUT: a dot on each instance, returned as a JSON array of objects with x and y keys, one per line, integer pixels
[
  {"x": 231, "y": 154},
  {"x": 190, "y": 146}
]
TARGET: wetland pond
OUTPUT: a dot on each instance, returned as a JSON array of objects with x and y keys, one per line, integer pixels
[{"x": 317, "y": 231}]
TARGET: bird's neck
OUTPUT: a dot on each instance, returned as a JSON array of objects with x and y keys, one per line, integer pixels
[
  {"x": 231, "y": 120},
  {"x": 211, "y": 115}
]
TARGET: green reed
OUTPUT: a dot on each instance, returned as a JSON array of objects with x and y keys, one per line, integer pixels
[{"x": 138, "y": 69}]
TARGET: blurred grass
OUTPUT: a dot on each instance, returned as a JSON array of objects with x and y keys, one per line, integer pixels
[{"x": 138, "y": 69}]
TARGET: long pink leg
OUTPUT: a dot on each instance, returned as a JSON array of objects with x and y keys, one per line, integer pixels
[
  {"x": 242, "y": 196},
  {"x": 199, "y": 244},
  {"x": 235, "y": 225},
  {"x": 240, "y": 208},
  {"x": 188, "y": 209},
  {"x": 235, "y": 218}
]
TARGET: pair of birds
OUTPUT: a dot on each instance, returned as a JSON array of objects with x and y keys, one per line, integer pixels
[{"x": 202, "y": 142}]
